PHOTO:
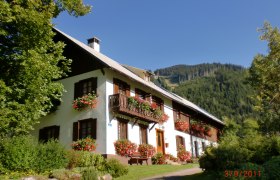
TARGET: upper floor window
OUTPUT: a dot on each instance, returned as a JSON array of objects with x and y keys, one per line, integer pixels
[
  {"x": 159, "y": 102},
  {"x": 142, "y": 94},
  {"x": 121, "y": 87},
  {"x": 85, "y": 86},
  {"x": 47, "y": 133},
  {"x": 84, "y": 128}
]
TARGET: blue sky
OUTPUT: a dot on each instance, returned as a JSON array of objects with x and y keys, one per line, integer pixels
[{"x": 152, "y": 34}]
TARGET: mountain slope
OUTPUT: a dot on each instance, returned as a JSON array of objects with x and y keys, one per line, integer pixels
[{"x": 220, "y": 89}]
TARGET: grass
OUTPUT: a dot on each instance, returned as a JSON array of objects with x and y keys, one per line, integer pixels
[
  {"x": 199, "y": 176},
  {"x": 138, "y": 172}
]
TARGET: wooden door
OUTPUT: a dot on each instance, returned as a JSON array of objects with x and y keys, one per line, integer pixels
[{"x": 160, "y": 141}]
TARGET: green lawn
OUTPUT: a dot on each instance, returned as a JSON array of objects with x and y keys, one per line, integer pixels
[
  {"x": 199, "y": 176},
  {"x": 142, "y": 171}
]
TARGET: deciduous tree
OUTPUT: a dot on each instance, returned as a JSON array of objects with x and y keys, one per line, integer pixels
[{"x": 30, "y": 61}]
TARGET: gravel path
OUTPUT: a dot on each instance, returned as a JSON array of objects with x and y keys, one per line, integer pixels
[{"x": 175, "y": 175}]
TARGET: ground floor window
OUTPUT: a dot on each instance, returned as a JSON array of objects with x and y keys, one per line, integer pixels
[
  {"x": 180, "y": 141},
  {"x": 196, "y": 149},
  {"x": 143, "y": 135},
  {"x": 47, "y": 133},
  {"x": 203, "y": 146},
  {"x": 122, "y": 129},
  {"x": 84, "y": 128}
]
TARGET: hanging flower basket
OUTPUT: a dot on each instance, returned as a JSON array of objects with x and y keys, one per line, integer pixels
[
  {"x": 85, "y": 102},
  {"x": 181, "y": 125}
]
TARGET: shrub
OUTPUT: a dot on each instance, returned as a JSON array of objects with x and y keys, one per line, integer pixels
[
  {"x": 272, "y": 168},
  {"x": 182, "y": 154},
  {"x": 86, "y": 144},
  {"x": 171, "y": 157},
  {"x": 158, "y": 158},
  {"x": 51, "y": 155},
  {"x": 88, "y": 159},
  {"x": 89, "y": 174},
  {"x": 64, "y": 174},
  {"x": 18, "y": 153},
  {"x": 73, "y": 159},
  {"x": 253, "y": 170},
  {"x": 115, "y": 168},
  {"x": 146, "y": 150},
  {"x": 124, "y": 147}
]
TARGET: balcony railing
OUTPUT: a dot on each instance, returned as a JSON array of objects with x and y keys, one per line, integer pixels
[{"x": 119, "y": 103}]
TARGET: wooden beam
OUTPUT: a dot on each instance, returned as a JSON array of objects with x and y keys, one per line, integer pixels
[{"x": 152, "y": 127}]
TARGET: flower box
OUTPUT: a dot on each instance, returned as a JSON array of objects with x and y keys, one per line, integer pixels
[
  {"x": 85, "y": 102},
  {"x": 181, "y": 125}
]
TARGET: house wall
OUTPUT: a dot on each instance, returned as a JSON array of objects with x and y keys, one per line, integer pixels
[
  {"x": 66, "y": 115},
  {"x": 107, "y": 131},
  {"x": 133, "y": 131}
]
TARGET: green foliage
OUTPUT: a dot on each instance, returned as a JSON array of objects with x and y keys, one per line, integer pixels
[
  {"x": 24, "y": 154},
  {"x": 30, "y": 59},
  {"x": 264, "y": 77},
  {"x": 90, "y": 174},
  {"x": 219, "y": 89},
  {"x": 18, "y": 153},
  {"x": 272, "y": 168},
  {"x": 64, "y": 174},
  {"x": 73, "y": 159},
  {"x": 86, "y": 144},
  {"x": 51, "y": 155},
  {"x": 115, "y": 168},
  {"x": 158, "y": 158},
  {"x": 88, "y": 159}
]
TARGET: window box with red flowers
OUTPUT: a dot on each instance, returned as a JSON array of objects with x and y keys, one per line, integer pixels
[
  {"x": 146, "y": 150},
  {"x": 182, "y": 154},
  {"x": 87, "y": 144},
  {"x": 197, "y": 127},
  {"x": 181, "y": 125},
  {"x": 85, "y": 102},
  {"x": 125, "y": 147}
]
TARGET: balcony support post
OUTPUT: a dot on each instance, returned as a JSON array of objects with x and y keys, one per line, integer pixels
[{"x": 152, "y": 127}]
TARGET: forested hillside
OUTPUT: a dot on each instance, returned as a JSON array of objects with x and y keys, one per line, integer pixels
[{"x": 220, "y": 89}]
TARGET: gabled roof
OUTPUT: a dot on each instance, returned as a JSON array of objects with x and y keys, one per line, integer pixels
[{"x": 118, "y": 67}]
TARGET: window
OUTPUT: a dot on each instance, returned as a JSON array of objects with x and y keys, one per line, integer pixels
[
  {"x": 203, "y": 146},
  {"x": 85, "y": 86},
  {"x": 180, "y": 141},
  {"x": 142, "y": 94},
  {"x": 122, "y": 129},
  {"x": 158, "y": 101},
  {"x": 84, "y": 128},
  {"x": 47, "y": 133},
  {"x": 143, "y": 135},
  {"x": 121, "y": 87},
  {"x": 196, "y": 148}
]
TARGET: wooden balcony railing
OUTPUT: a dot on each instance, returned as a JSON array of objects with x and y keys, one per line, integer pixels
[{"x": 119, "y": 104}]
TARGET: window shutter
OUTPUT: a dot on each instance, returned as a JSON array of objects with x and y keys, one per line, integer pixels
[
  {"x": 77, "y": 90},
  {"x": 56, "y": 132},
  {"x": 183, "y": 142},
  {"x": 116, "y": 86},
  {"x": 177, "y": 142},
  {"x": 127, "y": 90},
  {"x": 94, "y": 84},
  {"x": 93, "y": 128},
  {"x": 75, "y": 131}
]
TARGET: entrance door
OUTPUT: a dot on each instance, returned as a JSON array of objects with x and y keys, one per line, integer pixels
[{"x": 160, "y": 141}]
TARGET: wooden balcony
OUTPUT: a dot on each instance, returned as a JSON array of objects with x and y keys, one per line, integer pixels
[{"x": 119, "y": 104}]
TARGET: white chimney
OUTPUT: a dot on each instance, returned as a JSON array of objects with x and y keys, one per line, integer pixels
[{"x": 94, "y": 43}]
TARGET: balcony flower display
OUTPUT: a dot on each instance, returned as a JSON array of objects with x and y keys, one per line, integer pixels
[
  {"x": 181, "y": 125},
  {"x": 182, "y": 154},
  {"x": 84, "y": 102},
  {"x": 154, "y": 106},
  {"x": 163, "y": 118},
  {"x": 197, "y": 127},
  {"x": 207, "y": 130},
  {"x": 125, "y": 147},
  {"x": 146, "y": 150},
  {"x": 87, "y": 144}
]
